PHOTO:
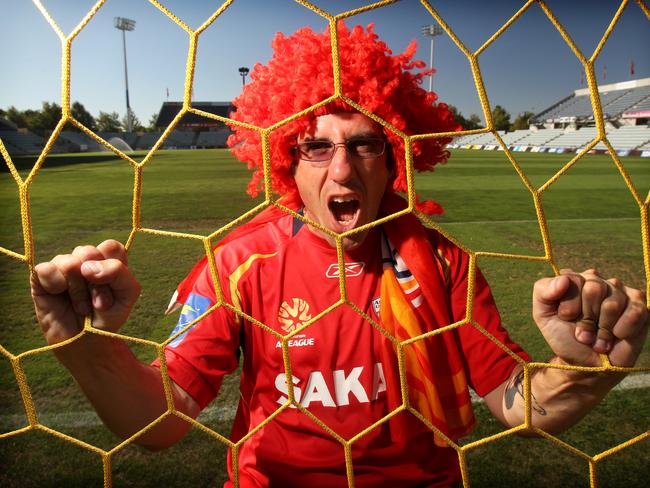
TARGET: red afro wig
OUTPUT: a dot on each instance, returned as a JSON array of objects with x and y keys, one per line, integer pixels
[{"x": 300, "y": 75}]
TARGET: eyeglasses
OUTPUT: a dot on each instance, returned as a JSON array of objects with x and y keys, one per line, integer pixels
[{"x": 323, "y": 151}]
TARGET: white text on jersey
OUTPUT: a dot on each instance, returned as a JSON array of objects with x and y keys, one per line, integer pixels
[{"x": 316, "y": 389}]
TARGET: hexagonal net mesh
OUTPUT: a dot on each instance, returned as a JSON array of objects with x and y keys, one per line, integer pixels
[{"x": 27, "y": 258}]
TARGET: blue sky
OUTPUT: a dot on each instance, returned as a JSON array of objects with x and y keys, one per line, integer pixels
[{"x": 527, "y": 69}]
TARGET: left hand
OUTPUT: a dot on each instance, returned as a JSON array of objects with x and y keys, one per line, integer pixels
[{"x": 582, "y": 315}]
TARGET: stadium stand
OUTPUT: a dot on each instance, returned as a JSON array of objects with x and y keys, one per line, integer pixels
[
  {"x": 169, "y": 110},
  {"x": 178, "y": 139},
  {"x": 212, "y": 139},
  {"x": 477, "y": 141},
  {"x": 573, "y": 140},
  {"x": 147, "y": 140},
  {"x": 82, "y": 142},
  {"x": 539, "y": 137},
  {"x": 129, "y": 137},
  {"x": 628, "y": 101},
  {"x": 6, "y": 124},
  {"x": 627, "y": 138},
  {"x": 616, "y": 99},
  {"x": 568, "y": 124},
  {"x": 22, "y": 142}
]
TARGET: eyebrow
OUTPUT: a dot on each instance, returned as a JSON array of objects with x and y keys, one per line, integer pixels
[{"x": 361, "y": 135}]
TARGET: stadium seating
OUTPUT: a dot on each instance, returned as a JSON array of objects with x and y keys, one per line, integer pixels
[
  {"x": 180, "y": 140},
  {"x": 627, "y": 138},
  {"x": 212, "y": 139},
  {"x": 129, "y": 137},
  {"x": 22, "y": 142},
  {"x": 614, "y": 102},
  {"x": 513, "y": 138},
  {"x": 147, "y": 140},
  {"x": 539, "y": 137},
  {"x": 627, "y": 102},
  {"x": 81, "y": 141},
  {"x": 573, "y": 140}
]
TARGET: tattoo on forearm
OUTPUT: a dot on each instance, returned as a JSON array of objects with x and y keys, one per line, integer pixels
[{"x": 516, "y": 387}]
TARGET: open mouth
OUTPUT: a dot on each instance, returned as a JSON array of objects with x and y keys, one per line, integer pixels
[{"x": 344, "y": 209}]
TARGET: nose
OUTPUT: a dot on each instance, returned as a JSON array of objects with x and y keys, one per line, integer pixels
[{"x": 341, "y": 168}]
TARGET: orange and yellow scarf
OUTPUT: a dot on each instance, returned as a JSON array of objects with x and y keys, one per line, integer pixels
[{"x": 414, "y": 300}]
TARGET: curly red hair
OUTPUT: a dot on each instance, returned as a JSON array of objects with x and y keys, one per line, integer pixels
[{"x": 300, "y": 75}]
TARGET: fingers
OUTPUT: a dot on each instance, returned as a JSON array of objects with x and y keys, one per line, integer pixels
[
  {"x": 83, "y": 276},
  {"x": 603, "y": 311},
  {"x": 635, "y": 312},
  {"x": 68, "y": 269},
  {"x": 113, "y": 249},
  {"x": 547, "y": 292},
  {"x": 115, "y": 277}
]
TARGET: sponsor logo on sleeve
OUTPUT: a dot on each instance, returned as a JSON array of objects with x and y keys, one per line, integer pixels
[{"x": 194, "y": 306}]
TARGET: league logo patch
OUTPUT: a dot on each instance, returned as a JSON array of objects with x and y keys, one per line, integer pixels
[
  {"x": 293, "y": 316},
  {"x": 194, "y": 306},
  {"x": 376, "y": 305}
]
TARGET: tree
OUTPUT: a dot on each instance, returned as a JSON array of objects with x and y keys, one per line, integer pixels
[
  {"x": 17, "y": 117},
  {"x": 474, "y": 121},
  {"x": 522, "y": 121},
  {"x": 48, "y": 118},
  {"x": 39, "y": 122},
  {"x": 80, "y": 113},
  {"x": 152, "y": 123},
  {"x": 500, "y": 118},
  {"x": 136, "y": 125},
  {"x": 108, "y": 122}
]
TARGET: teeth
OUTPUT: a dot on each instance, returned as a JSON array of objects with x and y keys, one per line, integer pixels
[{"x": 343, "y": 199}]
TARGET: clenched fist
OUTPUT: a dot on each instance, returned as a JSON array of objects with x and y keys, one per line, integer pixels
[
  {"x": 582, "y": 315},
  {"x": 90, "y": 279}
]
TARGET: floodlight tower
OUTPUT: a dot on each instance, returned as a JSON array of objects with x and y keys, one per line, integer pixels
[
  {"x": 243, "y": 71},
  {"x": 431, "y": 30},
  {"x": 125, "y": 25}
]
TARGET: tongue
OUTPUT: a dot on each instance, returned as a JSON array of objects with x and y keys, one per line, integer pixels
[{"x": 344, "y": 211}]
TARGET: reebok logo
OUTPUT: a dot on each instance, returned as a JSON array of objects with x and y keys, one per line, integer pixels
[{"x": 351, "y": 270}]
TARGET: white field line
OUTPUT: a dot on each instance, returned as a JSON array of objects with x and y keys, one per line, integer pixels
[
  {"x": 531, "y": 221},
  {"x": 88, "y": 418}
]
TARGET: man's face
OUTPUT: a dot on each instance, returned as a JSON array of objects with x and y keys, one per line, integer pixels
[{"x": 344, "y": 192}]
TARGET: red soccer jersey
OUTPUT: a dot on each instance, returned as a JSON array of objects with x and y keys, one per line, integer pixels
[{"x": 281, "y": 275}]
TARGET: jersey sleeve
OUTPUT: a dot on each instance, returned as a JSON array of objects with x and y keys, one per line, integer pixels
[
  {"x": 487, "y": 364},
  {"x": 199, "y": 357}
]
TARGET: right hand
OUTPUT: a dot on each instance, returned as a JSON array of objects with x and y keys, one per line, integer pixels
[{"x": 91, "y": 279}]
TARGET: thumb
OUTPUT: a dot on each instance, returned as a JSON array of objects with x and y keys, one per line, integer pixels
[{"x": 547, "y": 292}]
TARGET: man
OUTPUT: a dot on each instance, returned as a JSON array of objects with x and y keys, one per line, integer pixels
[{"x": 338, "y": 170}]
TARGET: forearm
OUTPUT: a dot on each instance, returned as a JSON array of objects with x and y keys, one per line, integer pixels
[
  {"x": 559, "y": 397},
  {"x": 126, "y": 393}
]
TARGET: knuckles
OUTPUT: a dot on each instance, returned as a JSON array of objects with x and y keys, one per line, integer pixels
[
  {"x": 594, "y": 291},
  {"x": 612, "y": 307}
]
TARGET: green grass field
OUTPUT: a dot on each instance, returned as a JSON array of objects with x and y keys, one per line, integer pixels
[{"x": 593, "y": 221}]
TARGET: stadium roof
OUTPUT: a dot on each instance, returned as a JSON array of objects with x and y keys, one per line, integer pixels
[{"x": 169, "y": 110}]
